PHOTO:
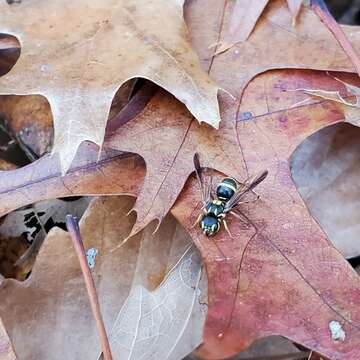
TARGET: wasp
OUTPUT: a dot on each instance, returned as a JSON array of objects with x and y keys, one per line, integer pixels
[{"x": 229, "y": 195}]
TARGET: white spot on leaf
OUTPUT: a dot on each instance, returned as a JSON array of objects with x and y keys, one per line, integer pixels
[
  {"x": 91, "y": 255},
  {"x": 337, "y": 332}
]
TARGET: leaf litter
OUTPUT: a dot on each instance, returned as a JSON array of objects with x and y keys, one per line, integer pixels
[
  {"x": 132, "y": 168},
  {"x": 262, "y": 116}
]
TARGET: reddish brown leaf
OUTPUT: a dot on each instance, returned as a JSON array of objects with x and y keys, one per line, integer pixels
[
  {"x": 165, "y": 125},
  {"x": 272, "y": 282}
]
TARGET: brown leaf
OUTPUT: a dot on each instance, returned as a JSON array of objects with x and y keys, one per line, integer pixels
[
  {"x": 335, "y": 95},
  {"x": 79, "y": 67},
  {"x": 293, "y": 48},
  {"x": 31, "y": 122},
  {"x": 55, "y": 294}
]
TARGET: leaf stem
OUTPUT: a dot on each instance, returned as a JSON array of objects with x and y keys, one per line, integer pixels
[
  {"x": 321, "y": 10},
  {"x": 74, "y": 231}
]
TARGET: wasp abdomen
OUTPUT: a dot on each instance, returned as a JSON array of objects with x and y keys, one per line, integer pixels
[{"x": 226, "y": 189}]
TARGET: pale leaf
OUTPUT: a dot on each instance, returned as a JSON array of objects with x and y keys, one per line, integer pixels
[{"x": 151, "y": 324}]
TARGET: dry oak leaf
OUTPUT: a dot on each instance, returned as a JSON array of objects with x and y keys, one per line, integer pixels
[
  {"x": 288, "y": 279},
  {"x": 77, "y": 54},
  {"x": 54, "y": 295}
]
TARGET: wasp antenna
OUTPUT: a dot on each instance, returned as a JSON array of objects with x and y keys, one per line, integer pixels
[{"x": 199, "y": 175}]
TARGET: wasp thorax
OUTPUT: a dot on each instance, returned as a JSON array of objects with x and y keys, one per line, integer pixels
[
  {"x": 215, "y": 208},
  {"x": 226, "y": 189}
]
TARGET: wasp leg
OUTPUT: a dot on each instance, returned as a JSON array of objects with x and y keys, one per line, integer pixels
[
  {"x": 227, "y": 228},
  {"x": 197, "y": 220}
]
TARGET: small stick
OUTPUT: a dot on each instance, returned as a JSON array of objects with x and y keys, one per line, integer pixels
[
  {"x": 321, "y": 10},
  {"x": 74, "y": 231}
]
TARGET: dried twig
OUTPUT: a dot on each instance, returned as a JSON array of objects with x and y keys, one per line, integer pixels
[{"x": 74, "y": 232}]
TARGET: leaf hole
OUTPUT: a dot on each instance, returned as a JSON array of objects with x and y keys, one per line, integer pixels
[
  {"x": 23, "y": 231},
  {"x": 326, "y": 171},
  {"x": 26, "y": 129},
  {"x": 130, "y": 99}
]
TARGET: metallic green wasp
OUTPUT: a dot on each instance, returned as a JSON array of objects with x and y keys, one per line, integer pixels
[{"x": 229, "y": 195}]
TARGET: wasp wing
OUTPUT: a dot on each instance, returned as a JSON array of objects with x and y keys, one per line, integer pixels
[{"x": 245, "y": 189}]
